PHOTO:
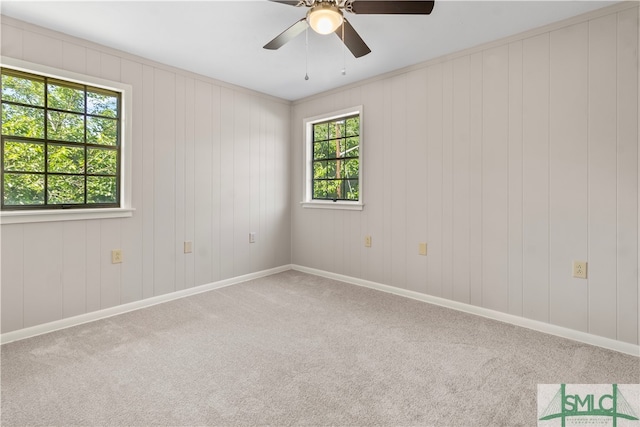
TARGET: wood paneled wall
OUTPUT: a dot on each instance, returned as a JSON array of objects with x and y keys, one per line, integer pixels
[
  {"x": 210, "y": 164},
  {"x": 510, "y": 161}
]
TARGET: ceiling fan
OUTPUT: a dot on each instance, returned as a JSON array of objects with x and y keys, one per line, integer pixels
[{"x": 327, "y": 16}]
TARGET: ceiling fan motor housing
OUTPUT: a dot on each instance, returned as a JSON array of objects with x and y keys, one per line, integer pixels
[{"x": 325, "y": 17}]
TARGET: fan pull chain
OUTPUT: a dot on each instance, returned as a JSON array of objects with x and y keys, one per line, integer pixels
[{"x": 306, "y": 48}]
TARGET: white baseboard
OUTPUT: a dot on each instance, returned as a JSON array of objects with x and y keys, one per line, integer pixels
[
  {"x": 136, "y": 305},
  {"x": 536, "y": 325}
]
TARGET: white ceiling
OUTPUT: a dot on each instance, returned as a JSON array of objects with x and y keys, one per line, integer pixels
[{"x": 224, "y": 39}]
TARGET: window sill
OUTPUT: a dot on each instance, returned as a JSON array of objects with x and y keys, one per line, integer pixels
[
  {"x": 351, "y": 206},
  {"x": 21, "y": 217}
]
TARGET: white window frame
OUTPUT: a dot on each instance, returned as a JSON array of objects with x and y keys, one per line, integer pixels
[
  {"x": 125, "y": 209},
  {"x": 308, "y": 201}
]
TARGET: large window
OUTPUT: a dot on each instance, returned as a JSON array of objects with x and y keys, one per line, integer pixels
[
  {"x": 334, "y": 152},
  {"x": 61, "y": 143}
]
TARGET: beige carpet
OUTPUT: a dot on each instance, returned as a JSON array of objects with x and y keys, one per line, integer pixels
[{"x": 294, "y": 349}]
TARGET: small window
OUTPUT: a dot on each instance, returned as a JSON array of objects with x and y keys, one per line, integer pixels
[
  {"x": 60, "y": 143},
  {"x": 333, "y": 166}
]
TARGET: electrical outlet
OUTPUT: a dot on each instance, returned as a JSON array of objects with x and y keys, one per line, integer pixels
[
  {"x": 422, "y": 248},
  {"x": 367, "y": 241},
  {"x": 116, "y": 256},
  {"x": 188, "y": 247},
  {"x": 580, "y": 269}
]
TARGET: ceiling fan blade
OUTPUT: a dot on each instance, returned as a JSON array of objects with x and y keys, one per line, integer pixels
[
  {"x": 287, "y": 35},
  {"x": 352, "y": 40},
  {"x": 289, "y": 2},
  {"x": 409, "y": 7}
]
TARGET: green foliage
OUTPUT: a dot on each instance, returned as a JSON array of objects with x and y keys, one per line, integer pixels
[
  {"x": 65, "y": 159},
  {"x": 102, "y": 104},
  {"x": 101, "y": 162},
  {"x": 65, "y": 98},
  {"x": 102, "y": 131},
  {"x": 23, "y": 156},
  {"x": 23, "y": 189},
  {"x": 65, "y": 152},
  {"x": 22, "y": 121},
  {"x": 22, "y": 90},
  {"x": 353, "y": 126},
  {"x": 101, "y": 189},
  {"x": 65, "y": 189},
  {"x": 336, "y": 129},
  {"x": 65, "y": 126},
  {"x": 336, "y": 164}
]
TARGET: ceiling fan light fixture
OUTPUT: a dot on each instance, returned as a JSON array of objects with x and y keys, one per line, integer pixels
[{"x": 325, "y": 18}]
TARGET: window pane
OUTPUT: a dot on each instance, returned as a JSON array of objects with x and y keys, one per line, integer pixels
[
  {"x": 65, "y": 189},
  {"x": 102, "y": 104},
  {"x": 319, "y": 170},
  {"x": 333, "y": 149},
  {"x": 349, "y": 148},
  {"x": 320, "y": 150},
  {"x": 351, "y": 168},
  {"x": 65, "y": 98},
  {"x": 336, "y": 129},
  {"x": 101, "y": 189},
  {"x": 22, "y": 121},
  {"x": 333, "y": 189},
  {"x": 23, "y": 156},
  {"x": 339, "y": 169},
  {"x": 65, "y": 159},
  {"x": 102, "y": 131},
  {"x": 23, "y": 189},
  {"x": 22, "y": 90},
  {"x": 340, "y": 145},
  {"x": 321, "y": 132},
  {"x": 353, "y": 126},
  {"x": 331, "y": 169},
  {"x": 65, "y": 126},
  {"x": 319, "y": 189},
  {"x": 102, "y": 162},
  {"x": 352, "y": 189},
  {"x": 352, "y": 147}
]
